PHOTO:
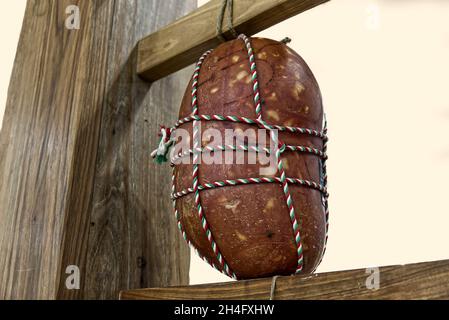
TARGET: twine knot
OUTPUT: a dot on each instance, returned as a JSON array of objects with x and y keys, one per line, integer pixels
[
  {"x": 165, "y": 142},
  {"x": 282, "y": 146}
]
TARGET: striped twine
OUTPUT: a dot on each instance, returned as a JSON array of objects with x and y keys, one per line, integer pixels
[
  {"x": 181, "y": 228},
  {"x": 326, "y": 198},
  {"x": 175, "y": 160},
  {"x": 262, "y": 124},
  {"x": 284, "y": 182},
  {"x": 224, "y": 267},
  {"x": 248, "y": 181},
  {"x": 326, "y": 195},
  {"x": 291, "y": 209},
  {"x": 254, "y": 76}
]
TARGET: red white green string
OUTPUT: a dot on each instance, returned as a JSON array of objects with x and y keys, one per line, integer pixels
[
  {"x": 284, "y": 182},
  {"x": 196, "y": 144},
  {"x": 181, "y": 228},
  {"x": 325, "y": 196},
  {"x": 283, "y": 179},
  {"x": 262, "y": 124},
  {"x": 254, "y": 76},
  {"x": 249, "y": 181},
  {"x": 175, "y": 160}
]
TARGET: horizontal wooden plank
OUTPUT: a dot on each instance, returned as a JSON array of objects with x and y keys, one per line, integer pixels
[
  {"x": 182, "y": 42},
  {"x": 428, "y": 280}
]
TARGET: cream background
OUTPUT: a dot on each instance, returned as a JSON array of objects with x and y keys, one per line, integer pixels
[
  {"x": 383, "y": 68},
  {"x": 11, "y": 16}
]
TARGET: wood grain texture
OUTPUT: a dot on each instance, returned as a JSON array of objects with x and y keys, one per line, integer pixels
[
  {"x": 78, "y": 187},
  {"x": 428, "y": 280},
  {"x": 167, "y": 50}
]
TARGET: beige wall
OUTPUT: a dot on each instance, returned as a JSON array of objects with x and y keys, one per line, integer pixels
[
  {"x": 385, "y": 84},
  {"x": 385, "y": 87},
  {"x": 11, "y": 16}
]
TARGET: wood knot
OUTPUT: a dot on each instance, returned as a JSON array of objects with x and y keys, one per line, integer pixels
[{"x": 141, "y": 263}]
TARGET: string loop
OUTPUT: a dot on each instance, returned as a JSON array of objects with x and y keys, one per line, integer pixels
[{"x": 229, "y": 6}]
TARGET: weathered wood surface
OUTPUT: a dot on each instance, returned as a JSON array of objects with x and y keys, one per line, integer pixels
[
  {"x": 182, "y": 42},
  {"x": 428, "y": 280},
  {"x": 78, "y": 186}
]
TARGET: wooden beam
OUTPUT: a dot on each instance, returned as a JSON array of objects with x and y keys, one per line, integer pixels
[
  {"x": 429, "y": 280},
  {"x": 182, "y": 42}
]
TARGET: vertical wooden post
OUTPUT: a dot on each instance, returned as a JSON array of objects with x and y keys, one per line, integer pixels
[{"x": 78, "y": 187}]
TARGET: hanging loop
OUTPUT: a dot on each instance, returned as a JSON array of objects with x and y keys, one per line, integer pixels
[{"x": 229, "y": 6}]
